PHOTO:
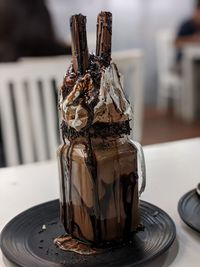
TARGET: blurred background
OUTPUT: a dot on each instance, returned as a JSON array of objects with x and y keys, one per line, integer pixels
[{"x": 156, "y": 44}]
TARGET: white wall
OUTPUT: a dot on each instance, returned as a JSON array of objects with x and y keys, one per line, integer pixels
[
  {"x": 123, "y": 15},
  {"x": 135, "y": 24}
]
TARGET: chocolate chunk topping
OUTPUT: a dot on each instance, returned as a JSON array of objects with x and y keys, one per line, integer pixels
[
  {"x": 98, "y": 130},
  {"x": 104, "y": 35},
  {"x": 79, "y": 43}
]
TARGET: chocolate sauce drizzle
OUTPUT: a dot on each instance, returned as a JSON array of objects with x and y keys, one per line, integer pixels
[
  {"x": 128, "y": 183},
  {"x": 91, "y": 164},
  {"x": 63, "y": 202},
  {"x": 69, "y": 207}
]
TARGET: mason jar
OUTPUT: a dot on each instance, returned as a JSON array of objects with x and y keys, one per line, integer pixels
[{"x": 99, "y": 188}]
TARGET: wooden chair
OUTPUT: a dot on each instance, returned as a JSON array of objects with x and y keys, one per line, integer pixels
[{"x": 28, "y": 107}]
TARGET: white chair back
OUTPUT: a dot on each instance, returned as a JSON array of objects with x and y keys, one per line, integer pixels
[
  {"x": 28, "y": 107},
  {"x": 169, "y": 81},
  {"x": 165, "y": 50},
  {"x": 131, "y": 65}
]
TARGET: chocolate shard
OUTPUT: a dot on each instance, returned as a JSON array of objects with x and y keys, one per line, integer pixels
[
  {"x": 79, "y": 43},
  {"x": 104, "y": 37}
]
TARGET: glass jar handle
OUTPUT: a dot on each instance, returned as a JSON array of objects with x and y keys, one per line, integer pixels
[{"x": 141, "y": 166}]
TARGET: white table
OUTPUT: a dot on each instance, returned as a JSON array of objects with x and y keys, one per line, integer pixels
[
  {"x": 190, "y": 53},
  {"x": 172, "y": 170}
]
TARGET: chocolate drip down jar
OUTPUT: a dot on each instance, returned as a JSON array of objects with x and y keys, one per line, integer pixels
[{"x": 100, "y": 167}]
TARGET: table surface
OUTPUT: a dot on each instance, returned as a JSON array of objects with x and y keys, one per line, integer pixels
[{"x": 172, "y": 170}]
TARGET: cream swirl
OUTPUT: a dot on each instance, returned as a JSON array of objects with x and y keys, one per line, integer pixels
[{"x": 110, "y": 106}]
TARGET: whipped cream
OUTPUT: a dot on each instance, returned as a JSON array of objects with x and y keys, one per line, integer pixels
[{"x": 110, "y": 105}]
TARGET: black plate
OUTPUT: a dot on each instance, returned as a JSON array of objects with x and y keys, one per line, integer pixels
[
  {"x": 189, "y": 210},
  {"x": 24, "y": 243}
]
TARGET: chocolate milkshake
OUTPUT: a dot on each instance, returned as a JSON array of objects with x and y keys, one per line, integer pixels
[{"x": 97, "y": 161}]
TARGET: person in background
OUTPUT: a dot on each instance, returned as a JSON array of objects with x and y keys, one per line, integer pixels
[
  {"x": 189, "y": 32},
  {"x": 26, "y": 31}
]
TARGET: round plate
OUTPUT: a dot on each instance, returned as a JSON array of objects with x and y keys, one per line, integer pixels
[
  {"x": 189, "y": 210},
  {"x": 27, "y": 240}
]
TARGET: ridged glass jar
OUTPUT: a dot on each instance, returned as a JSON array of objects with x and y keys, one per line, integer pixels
[{"x": 99, "y": 188}]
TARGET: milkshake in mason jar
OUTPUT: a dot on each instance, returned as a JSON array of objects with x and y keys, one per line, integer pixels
[{"x": 98, "y": 163}]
